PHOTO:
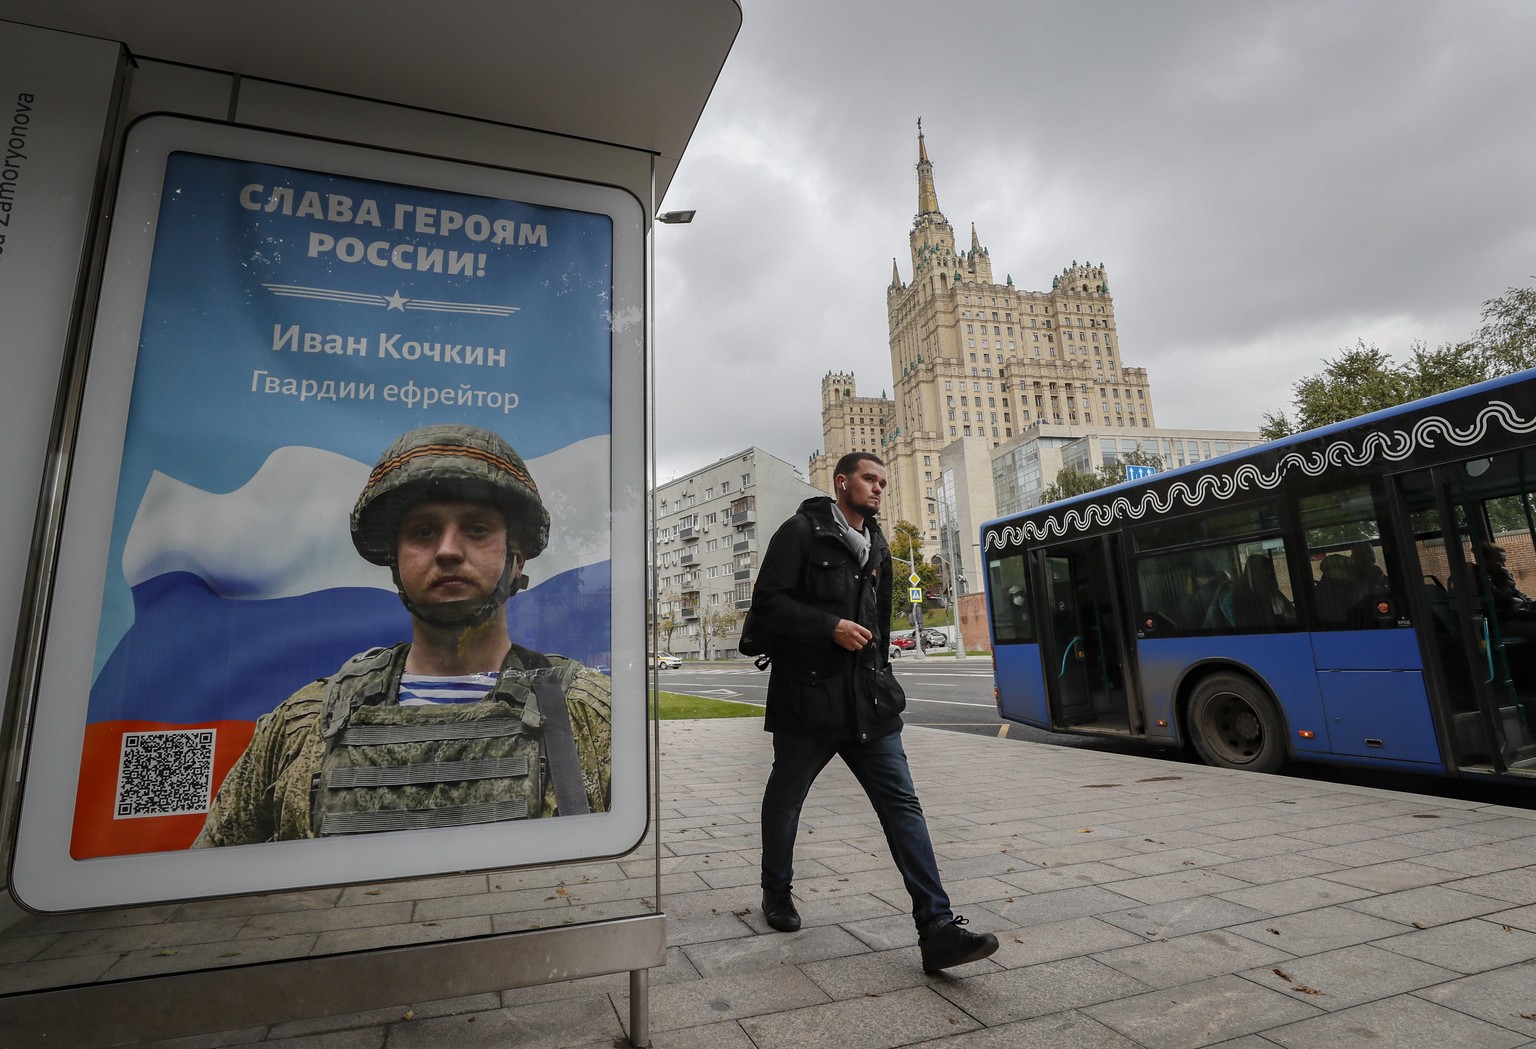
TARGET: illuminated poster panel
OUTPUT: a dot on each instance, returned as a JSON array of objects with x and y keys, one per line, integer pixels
[{"x": 227, "y": 702}]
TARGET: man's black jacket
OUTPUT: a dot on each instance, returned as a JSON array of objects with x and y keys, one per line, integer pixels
[{"x": 808, "y": 581}]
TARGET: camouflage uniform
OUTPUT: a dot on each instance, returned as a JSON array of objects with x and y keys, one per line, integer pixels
[
  {"x": 271, "y": 793},
  {"x": 342, "y": 756}
]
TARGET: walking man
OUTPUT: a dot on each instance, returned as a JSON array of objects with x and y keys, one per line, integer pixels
[{"x": 823, "y": 598}]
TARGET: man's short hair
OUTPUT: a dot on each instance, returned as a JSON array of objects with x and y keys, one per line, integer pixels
[{"x": 849, "y": 463}]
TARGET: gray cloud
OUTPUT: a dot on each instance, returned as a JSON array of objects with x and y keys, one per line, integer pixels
[{"x": 1265, "y": 183}]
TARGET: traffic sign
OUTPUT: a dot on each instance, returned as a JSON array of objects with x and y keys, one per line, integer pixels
[
  {"x": 915, "y": 595},
  {"x": 913, "y": 579},
  {"x": 1137, "y": 473}
]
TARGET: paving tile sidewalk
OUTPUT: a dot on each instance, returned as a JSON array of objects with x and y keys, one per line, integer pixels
[{"x": 1139, "y": 903}]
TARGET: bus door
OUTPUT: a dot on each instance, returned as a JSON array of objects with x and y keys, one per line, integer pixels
[
  {"x": 1084, "y": 644},
  {"x": 1016, "y": 665},
  {"x": 1482, "y": 641}
]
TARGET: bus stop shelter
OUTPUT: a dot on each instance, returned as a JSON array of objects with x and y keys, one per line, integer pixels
[{"x": 574, "y": 113}]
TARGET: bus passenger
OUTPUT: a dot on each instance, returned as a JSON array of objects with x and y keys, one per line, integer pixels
[
  {"x": 1515, "y": 623},
  {"x": 1337, "y": 589},
  {"x": 1264, "y": 587},
  {"x": 1366, "y": 570},
  {"x": 1212, "y": 595},
  {"x": 1507, "y": 596}
]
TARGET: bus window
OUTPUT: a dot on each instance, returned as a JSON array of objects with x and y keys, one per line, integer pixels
[
  {"x": 1227, "y": 573},
  {"x": 1511, "y": 525},
  {"x": 1230, "y": 522},
  {"x": 1351, "y": 585},
  {"x": 1241, "y": 587},
  {"x": 1168, "y": 589},
  {"x": 1263, "y": 600},
  {"x": 1008, "y": 586}
]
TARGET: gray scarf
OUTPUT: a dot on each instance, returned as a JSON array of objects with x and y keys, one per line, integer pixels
[{"x": 858, "y": 541}]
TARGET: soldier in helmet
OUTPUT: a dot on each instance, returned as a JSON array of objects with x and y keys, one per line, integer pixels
[{"x": 458, "y": 726}]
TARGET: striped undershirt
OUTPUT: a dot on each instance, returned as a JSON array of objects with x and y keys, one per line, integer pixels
[{"x": 423, "y": 690}]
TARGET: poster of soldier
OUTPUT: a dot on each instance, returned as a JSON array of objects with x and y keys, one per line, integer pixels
[{"x": 353, "y": 550}]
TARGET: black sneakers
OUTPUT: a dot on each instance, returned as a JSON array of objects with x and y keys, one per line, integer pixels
[
  {"x": 950, "y": 945},
  {"x": 780, "y": 911}
]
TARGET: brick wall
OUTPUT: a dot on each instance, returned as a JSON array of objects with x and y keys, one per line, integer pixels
[
  {"x": 1521, "y": 558},
  {"x": 1519, "y": 555},
  {"x": 973, "y": 623}
]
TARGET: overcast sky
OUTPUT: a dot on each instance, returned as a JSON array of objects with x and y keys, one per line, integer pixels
[{"x": 1266, "y": 183}]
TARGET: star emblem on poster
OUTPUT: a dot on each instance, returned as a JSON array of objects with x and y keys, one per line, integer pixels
[{"x": 390, "y": 302}]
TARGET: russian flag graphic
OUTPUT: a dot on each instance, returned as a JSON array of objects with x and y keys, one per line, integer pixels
[{"x": 240, "y": 598}]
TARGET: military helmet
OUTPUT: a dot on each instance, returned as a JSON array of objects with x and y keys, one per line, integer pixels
[{"x": 447, "y": 462}]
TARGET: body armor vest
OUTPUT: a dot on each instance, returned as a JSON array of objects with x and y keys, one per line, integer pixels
[{"x": 388, "y": 767}]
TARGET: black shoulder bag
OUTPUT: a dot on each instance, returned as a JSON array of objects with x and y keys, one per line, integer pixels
[{"x": 758, "y": 639}]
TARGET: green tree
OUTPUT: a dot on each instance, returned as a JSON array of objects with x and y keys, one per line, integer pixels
[
  {"x": 716, "y": 622},
  {"x": 1070, "y": 482},
  {"x": 1450, "y": 367},
  {"x": 1507, "y": 337},
  {"x": 907, "y": 555},
  {"x": 906, "y": 543},
  {"x": 1358, "y": 381},
  {"x": 664, "y": 616},
  {"x": 1276, "y": 425},
  {"x": 1365, "y": 379},
  {"x": 667, "y": 623}
]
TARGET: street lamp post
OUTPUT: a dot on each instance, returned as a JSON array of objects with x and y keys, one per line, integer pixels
[
  {"x": 950, "y": 597},
  {"x": 949, "y": 577},
  {"x": 919, "y": 651},
  {"x": 670, "y": 218}
]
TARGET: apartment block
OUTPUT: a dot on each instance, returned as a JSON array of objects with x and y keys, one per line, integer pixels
[{"x": 711, "y": 528}]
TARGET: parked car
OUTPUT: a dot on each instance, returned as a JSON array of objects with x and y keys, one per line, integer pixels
[
  {"x": 667, "y": 661},
  {"x": 894, "y": 651},
  {"x": 932, "y": 638}
]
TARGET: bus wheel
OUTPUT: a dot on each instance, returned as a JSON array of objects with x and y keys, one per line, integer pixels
[{"x": 1234, "y": 725}]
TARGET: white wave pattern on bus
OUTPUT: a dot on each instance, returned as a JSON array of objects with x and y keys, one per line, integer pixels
[{"x": 1388, "y": 446}]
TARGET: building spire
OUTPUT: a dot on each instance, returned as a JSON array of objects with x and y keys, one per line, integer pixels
[
  {"x": 975, "y": 242},
  {"x": 927, "y": 196},
  {"x": 895, "y": 274}
]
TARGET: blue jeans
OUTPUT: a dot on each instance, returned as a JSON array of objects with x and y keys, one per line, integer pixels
[{"x": 880, "y": 766}]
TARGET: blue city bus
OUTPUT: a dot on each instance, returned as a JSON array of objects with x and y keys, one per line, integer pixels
[{"x": 1332, "y": 597}]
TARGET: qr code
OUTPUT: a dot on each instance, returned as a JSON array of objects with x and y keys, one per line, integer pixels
[{"x": 165, "y": 773}]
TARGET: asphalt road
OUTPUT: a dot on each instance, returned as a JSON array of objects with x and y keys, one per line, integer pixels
[
  {"x": 942, "y": 692},
  {"x": 956, "y": 695}
]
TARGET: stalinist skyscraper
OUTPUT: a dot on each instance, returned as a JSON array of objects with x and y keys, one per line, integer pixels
[{"x": 972, "y": 357}]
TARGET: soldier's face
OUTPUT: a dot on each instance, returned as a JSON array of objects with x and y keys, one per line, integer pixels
[{"x": 452, "y": 551}]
